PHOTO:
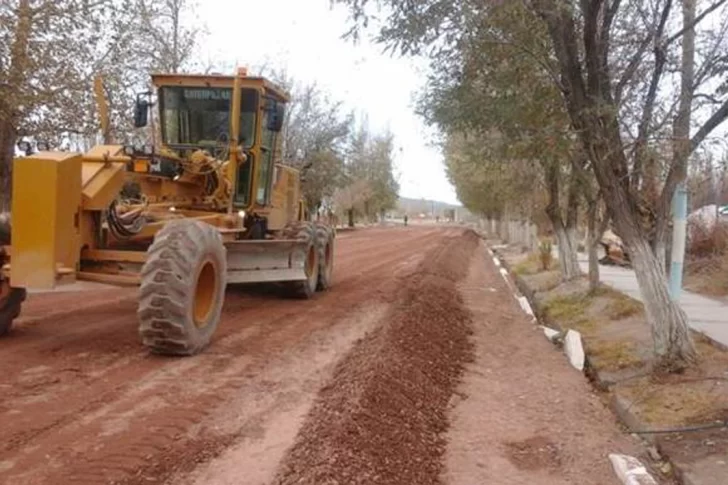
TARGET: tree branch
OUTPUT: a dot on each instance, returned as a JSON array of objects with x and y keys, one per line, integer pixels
[
  {"x": 713, "y": 122},
  {"x": 695, "y": 22},
  {"x": 630, "y": 70},
  {"x": 649, "y": 106}
]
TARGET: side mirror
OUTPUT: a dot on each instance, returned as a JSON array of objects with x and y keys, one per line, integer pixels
[
  {"x": 141, "y": 111},
  {"x": 276, "y": 116}
]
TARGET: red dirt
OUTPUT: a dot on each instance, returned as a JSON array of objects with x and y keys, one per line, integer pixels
[
  {"x": 372, "y": 382},
  {"x": 382, "y": 417},
  {"x": 522, "y": 414},
  {"x": 82, "y": 402}
]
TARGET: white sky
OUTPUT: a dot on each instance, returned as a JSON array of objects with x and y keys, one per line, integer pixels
[{"x": 304, "y": 36}]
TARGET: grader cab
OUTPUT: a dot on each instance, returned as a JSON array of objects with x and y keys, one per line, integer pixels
[{"x": 210, "y": 204}]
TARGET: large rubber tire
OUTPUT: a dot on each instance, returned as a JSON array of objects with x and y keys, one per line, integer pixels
[
  {"x": 305, "y": 231},
  {"x": 11, "y": 300},
  {"x": 325, "y": 244},
  {"x": 183, "y": 288}
]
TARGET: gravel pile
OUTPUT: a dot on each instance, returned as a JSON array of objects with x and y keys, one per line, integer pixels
[{"x": 382, "y": 417}]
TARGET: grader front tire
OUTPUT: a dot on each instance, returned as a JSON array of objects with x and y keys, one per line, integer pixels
[{"x": 183, "y": 288}]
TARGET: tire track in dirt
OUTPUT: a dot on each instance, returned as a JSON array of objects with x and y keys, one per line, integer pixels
[{"x": 86, "y": 395}]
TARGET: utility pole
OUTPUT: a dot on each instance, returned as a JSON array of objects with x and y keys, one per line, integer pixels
[{"x": 679, "y": 236}]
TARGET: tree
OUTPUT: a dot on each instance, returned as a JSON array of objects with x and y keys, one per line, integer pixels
[
  {"x": 45, "y": 50},
  {"x": 370, "y": 159},
  {"x": 316, "y": 131},
  {"x": 615, "y": 91},
  {"x": 351, "y": 199},
  {"x": 168, "y": 42},
  {"x": 493, "y": 89},
  {"x": 51, "y": 52},
  {"x": 591, "y": 95}
]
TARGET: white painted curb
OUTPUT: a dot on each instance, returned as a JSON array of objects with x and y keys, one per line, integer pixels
[
  {"x": 550, "y": 333},
  {"x": 574, "y": 350},
  {"x": 496, "y": 261},
  {"x": 630, "y": 470},
  {"x": 525, "y": 305},
  {"x": 504, "y": 273}
]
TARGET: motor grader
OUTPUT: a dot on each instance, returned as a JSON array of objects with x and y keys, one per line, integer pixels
[{"x": 208, "y": 205}]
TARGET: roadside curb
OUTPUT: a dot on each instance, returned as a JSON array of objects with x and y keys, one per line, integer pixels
[{"x": 628, "y": 469}]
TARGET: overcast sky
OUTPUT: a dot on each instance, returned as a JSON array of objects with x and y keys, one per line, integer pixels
[{"x": 304, "y": 36}]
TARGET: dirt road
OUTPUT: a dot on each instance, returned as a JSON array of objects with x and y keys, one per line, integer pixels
[{"x": 359, "y": 385}]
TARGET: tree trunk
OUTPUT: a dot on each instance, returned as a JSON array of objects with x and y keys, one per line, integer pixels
[
  {"x": 585, "y": 83},
  {"x": 673, "y": 347},
  {"x": 568, "y": 256},
  {"x": 7, "y": 153},
  {"x": 350, "y": 214},
  {"x": 592, "y": 241},
  {"x": 566, "y": 239},
  {"x": 681, "y": 134}
]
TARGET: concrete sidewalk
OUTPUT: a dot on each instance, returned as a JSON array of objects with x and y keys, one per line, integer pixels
[{"x": 705, "y": 314}]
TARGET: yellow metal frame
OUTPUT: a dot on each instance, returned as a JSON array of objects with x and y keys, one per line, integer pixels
[{"x": 85, "y": 249}]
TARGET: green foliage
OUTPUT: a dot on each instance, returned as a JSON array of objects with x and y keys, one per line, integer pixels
[{"x": 501, "y": 115}]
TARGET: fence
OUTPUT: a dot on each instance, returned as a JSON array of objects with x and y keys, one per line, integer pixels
[{"x": 523, "y": 233}]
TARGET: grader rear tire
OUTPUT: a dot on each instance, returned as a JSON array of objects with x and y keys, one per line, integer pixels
[
  {"x": 325, "y": 243},
  {"x": 11, "y": 299},
  {"x": 305, "y": 231},
  {"x": 183, "y": 288}
]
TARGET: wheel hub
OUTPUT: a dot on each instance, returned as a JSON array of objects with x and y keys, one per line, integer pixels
[{"x": 204, "y": 294}]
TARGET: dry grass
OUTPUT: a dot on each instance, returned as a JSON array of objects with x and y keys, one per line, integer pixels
[
  {"x": 566, "y": 308},
  {"x": 614, "y": 354},
  {"x": 532, "y": 265},
  {"x": 675, "y": 404},
  {"x": 707, "y": 275},
  {"x": 707, "y": 261},
  {"x": 586, "y": 326},
  {"x": 619, "y": 305},
  {"x": 544, "y": 282},
  {"x": 550, "y": 281},
  {"x": 617, "y": 340}
]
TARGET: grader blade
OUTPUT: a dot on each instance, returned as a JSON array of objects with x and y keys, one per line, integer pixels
[{"x": 266, "y": 261}]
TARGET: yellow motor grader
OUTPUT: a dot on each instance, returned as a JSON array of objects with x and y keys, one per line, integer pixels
[{"x": 210, "y": 205}]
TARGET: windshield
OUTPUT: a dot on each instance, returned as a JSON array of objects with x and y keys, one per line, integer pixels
[{"x": 201, "y": 116}]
